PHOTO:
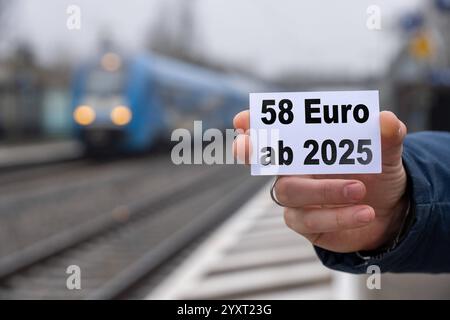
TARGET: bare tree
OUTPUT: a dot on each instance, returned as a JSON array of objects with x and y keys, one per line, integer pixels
[
  {"x": 160, "y": 37},
  {"x": 174, "y": 32}
]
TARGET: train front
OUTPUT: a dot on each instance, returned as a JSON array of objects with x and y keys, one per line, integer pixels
[{"x": 102, "y": 112}]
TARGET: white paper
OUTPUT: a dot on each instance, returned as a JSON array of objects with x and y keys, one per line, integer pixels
[{"x": 357, "y": 124}]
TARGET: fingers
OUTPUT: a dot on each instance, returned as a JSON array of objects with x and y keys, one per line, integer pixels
[
  {"x": 301, "y": 196},
  {"x": 393, "y": 132},
  {"x": 242, "y": 148},
  {"x": 242, "y": 120},
  {"x": 241, "y": 145},
  {"x": 295, "y": 191},
  {"x": 309, "y": 221}
]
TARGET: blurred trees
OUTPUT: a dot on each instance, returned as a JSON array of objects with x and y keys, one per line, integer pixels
[
  {"x": 174, "y": 30},
  {"x": 175, "y": 34}
]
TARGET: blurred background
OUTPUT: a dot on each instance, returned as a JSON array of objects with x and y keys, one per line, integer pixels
[{"x": 90, "y": 92}]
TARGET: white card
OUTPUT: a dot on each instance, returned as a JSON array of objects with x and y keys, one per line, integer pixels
[{"x": 335, "y": 132}]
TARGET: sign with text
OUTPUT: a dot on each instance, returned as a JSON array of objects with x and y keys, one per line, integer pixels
[{"x": 335, "y": 132}]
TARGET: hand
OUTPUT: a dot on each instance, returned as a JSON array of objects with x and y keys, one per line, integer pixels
[{"x": 344, "y": 213}]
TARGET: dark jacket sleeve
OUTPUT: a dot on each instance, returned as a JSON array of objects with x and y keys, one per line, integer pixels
[{"x": 426, "y": 246}]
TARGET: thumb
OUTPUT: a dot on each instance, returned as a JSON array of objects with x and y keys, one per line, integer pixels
[{"x": 393, "y": 132}]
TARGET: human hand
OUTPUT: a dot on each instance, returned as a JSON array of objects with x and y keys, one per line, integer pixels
[{"x": 344, "y": 213}]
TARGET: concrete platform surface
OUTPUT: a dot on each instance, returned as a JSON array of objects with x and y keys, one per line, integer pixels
[{"x": 39, "y": 152}]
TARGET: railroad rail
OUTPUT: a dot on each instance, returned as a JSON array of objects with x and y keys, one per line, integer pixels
[
  {"x": 252, "y": 256},
  {"x": 118, "y": 247}
]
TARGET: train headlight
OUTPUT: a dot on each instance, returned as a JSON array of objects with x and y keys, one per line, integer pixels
[
  {"x": 111, "y": 62},
  {"x": 121, "y": 115},
  {"x": 84, "y": 115}
]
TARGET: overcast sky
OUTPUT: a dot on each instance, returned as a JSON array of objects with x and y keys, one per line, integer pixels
[{"x": 268, "y": 36}]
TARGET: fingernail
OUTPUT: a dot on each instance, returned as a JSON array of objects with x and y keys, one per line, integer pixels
[
  {"x": 353, "y": 191},
  {"x": 363, "y": 215}
]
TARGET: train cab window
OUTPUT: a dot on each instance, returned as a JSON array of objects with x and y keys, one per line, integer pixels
[{"x": 103, "y": 83}]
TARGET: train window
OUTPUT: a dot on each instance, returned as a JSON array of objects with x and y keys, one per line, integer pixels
[{"x": 105, "y": 83}]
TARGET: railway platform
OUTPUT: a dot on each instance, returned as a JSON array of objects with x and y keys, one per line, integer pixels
[
  {"x": 43, "y": 152},
  {"x": 255, "y": 256}
]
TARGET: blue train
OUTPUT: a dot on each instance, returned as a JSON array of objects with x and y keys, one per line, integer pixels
[{"x": 128, "y": 104}]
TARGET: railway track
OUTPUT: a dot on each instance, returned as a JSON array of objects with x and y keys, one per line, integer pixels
[
  {"x": 36, "y": 210},
  {"x": 9, "y": 178},
  {"x": 251, "y": 256},
  {"x": 117, "y": 248}
]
